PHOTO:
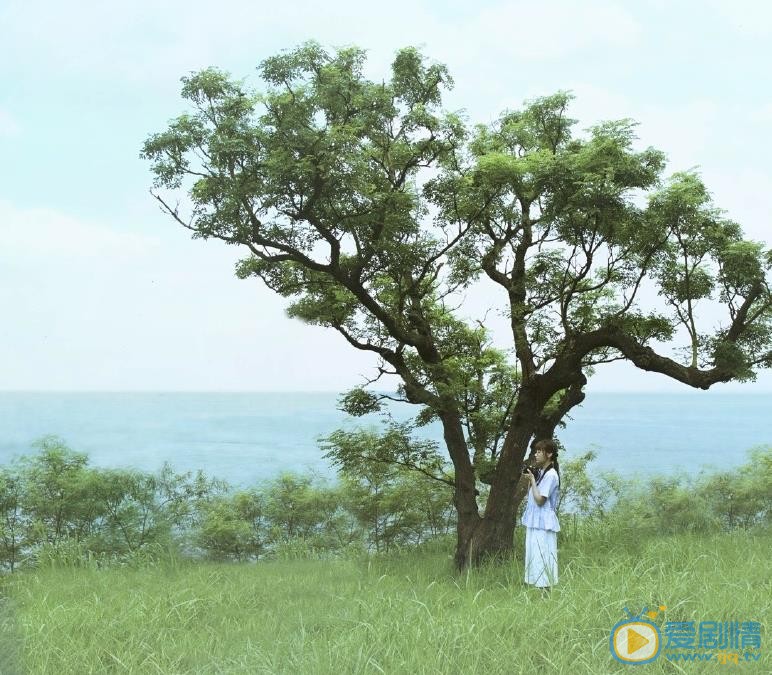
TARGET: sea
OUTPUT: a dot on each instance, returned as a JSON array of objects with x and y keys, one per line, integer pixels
[{"x": 247, "y": 438}]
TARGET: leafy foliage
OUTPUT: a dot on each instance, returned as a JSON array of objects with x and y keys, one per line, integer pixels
[
  {"x": 396, "y": 486},
  {"x": 369, "y": 207},
  {"x": 372, "y": 209},
  {"x": 377, "y": 506}
]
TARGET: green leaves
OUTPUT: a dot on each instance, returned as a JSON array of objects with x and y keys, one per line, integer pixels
[
  {"x": 395, "y": 484},
  {"x": 325, "y": 305},
  {"x": 357, "y": 450},
  {"x": 416, "y": 83},
  {"x": 358, "y": 402},
  {"x": 743, "y": 266},
  {"x": 208, "y": 86},
  {"x": 372, "y": 209},
  {"x": 320, "y": 176},
  {"x": 541, "y": 124}
]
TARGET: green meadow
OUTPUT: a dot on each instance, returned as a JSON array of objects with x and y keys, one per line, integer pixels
[{"x": 404, "y": 612}]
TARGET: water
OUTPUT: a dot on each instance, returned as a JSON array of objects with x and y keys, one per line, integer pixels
[{"x": 247, "y": 437}]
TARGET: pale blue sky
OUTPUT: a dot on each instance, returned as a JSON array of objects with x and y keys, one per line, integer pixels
[{"x": 99, "y": 290}]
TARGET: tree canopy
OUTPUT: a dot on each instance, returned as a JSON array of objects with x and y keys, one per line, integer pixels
[{"x": 373, "y": 209}]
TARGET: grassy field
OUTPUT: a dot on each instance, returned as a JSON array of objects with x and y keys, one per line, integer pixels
[{"x": 406, "y": 613}]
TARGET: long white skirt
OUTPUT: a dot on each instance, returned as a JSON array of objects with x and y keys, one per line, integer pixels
[{"x": 541, "y": 557}]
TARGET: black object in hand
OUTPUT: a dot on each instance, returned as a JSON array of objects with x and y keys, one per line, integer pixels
[{"x": 529, "y": 469}]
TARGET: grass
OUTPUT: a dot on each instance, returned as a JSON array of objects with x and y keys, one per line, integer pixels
[{"x": 406, "y": 613}]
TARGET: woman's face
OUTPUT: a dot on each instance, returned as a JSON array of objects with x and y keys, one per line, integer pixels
[{"x": 542, "y": 458}]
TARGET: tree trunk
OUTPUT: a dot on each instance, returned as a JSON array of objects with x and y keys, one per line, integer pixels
[{"x": 491, "y": 535}]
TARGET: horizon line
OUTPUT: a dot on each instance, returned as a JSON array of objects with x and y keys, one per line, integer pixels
[{"x": 687, "y": 390}]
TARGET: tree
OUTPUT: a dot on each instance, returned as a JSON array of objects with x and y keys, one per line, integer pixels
[
  {"x": 233, "y": 526},
  {"x": 59, "y": 493},
  {"x": 301, "y": 511},
  {"x": 373, "y": 210},
  {"x": 389, "y": 483},
  {"x": 14, "y": 524},
  {"x": 140, "y": 508}
]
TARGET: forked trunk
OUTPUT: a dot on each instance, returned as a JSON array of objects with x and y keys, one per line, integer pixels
[{"x": 489, "y": 537}]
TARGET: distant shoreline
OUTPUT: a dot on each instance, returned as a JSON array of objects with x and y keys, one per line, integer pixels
[{"x": 308, "y": 392}]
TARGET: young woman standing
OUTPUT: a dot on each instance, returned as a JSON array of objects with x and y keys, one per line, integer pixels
[{"x": 540, "y": 518}]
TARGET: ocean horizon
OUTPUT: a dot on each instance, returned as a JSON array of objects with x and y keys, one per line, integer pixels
[{"x": 247, "y": 437}]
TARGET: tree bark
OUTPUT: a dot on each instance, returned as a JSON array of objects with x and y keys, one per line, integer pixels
[{"x": 491, "y": 536}]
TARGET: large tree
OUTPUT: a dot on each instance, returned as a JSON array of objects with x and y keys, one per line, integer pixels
[{"x": 373, "y": 210}]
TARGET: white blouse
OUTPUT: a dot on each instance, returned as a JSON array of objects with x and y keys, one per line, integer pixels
[{"x": 543, "y": 517}]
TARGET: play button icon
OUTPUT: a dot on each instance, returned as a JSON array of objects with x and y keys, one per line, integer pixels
[{"x": 635, "y": 641}]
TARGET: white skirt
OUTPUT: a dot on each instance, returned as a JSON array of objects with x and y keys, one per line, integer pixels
[{"x": 541, "y": 557}]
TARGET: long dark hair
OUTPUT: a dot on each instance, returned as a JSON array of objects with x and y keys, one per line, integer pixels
[{"x": 551, "y": 448}]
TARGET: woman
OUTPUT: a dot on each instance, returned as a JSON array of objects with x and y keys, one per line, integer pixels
[{"x": 540, "y": 519}]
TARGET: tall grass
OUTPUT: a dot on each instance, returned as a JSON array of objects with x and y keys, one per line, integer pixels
[{"x": 408, "y": 612}]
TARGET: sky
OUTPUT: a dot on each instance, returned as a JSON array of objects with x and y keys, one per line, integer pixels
[{"x": 99, "y": 290}]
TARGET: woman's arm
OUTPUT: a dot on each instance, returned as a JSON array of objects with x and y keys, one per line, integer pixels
[{"x": 537, "y": 496}]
